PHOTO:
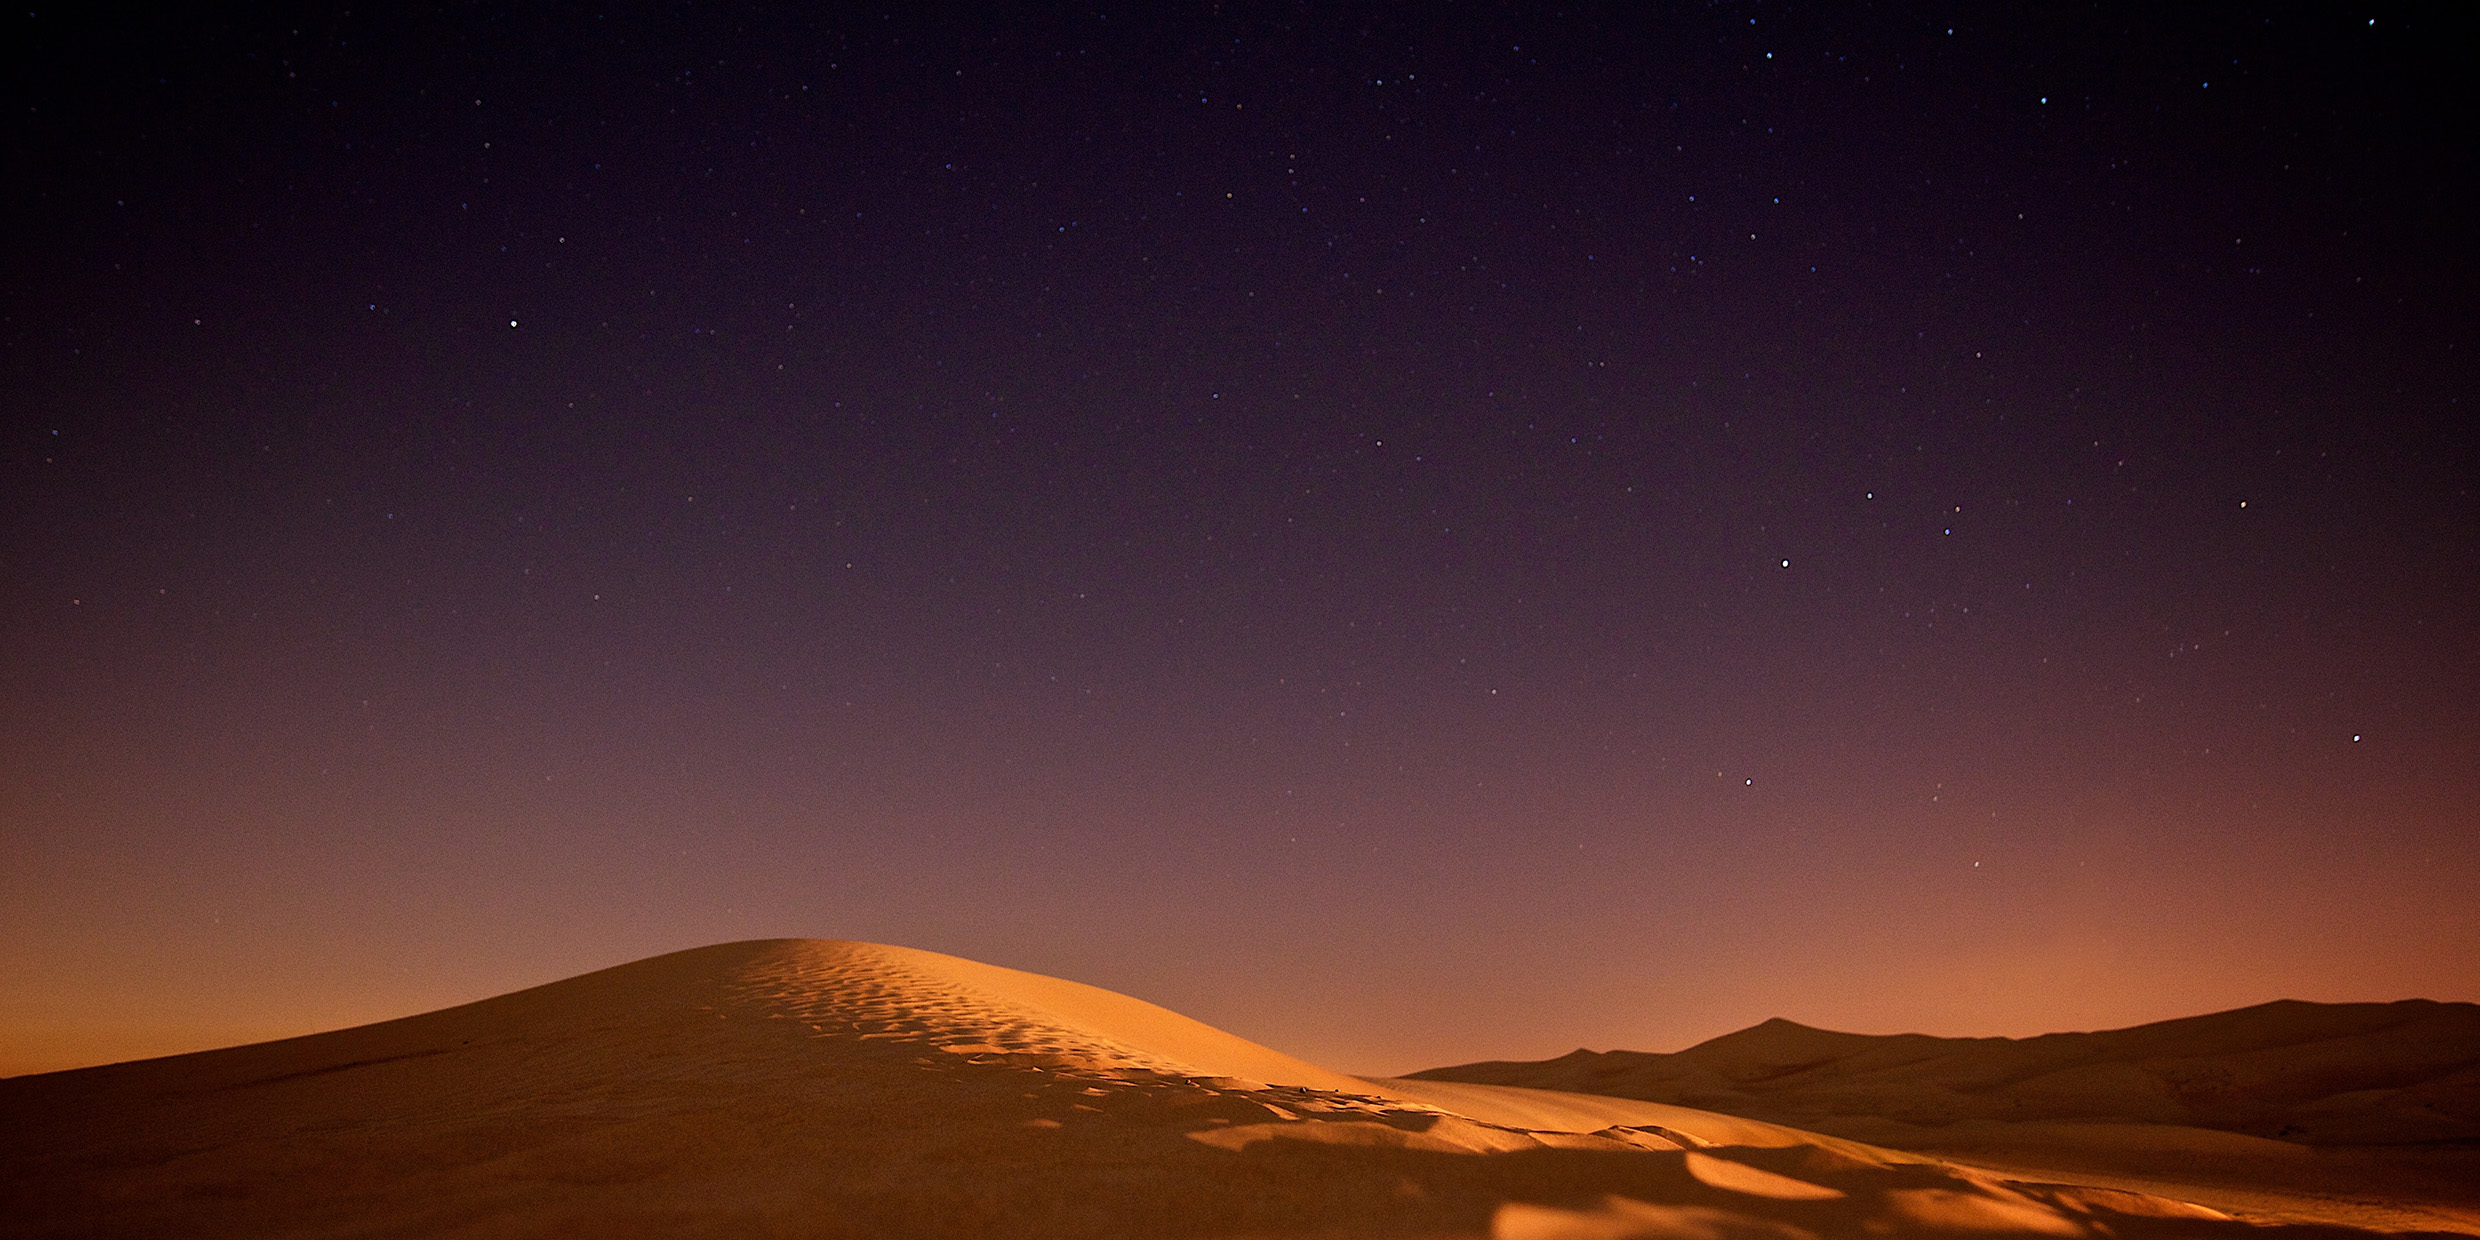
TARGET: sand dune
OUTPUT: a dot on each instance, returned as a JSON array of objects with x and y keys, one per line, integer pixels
[
  {"x": 2320, "y": 1074},
  {"x": 2341, "y": 1112},
  {"x": 810, "y": 1088}
]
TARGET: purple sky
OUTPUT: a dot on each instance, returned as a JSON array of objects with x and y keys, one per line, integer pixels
[{"x": 1414, "y": 538}]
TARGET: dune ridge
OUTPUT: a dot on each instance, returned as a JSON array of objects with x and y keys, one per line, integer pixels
[
  {"x": 823, "y": 1088},
  {"x": 2313, "y": 1073}
]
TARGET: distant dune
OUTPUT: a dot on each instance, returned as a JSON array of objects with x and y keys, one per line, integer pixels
[
  {"x": 2337, "y": 1100},
  {"x": 813, "y": 1088}
]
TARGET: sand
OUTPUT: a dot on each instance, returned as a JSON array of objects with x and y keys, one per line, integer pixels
[
  {"x": 816, "y": 1088},
  {"x": 2361, "y": 1114}
]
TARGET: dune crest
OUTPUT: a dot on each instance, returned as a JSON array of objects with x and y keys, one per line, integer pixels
[{"x": 968, "y": 1008}]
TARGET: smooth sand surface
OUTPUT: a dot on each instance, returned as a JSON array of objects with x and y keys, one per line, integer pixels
[
  {"x": 815, "y": 1088},
  {"x": 2358, "y": 1114},
  {"x": 1548, "y": 1110}
]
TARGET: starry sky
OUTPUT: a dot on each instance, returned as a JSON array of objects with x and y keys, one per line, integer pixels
[{"x": 1411, "y": 533}]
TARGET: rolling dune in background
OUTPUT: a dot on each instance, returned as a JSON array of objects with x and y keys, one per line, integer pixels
[{"x": 2360, "y": 1113}]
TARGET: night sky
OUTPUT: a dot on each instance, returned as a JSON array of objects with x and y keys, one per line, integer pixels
[{"x": 1411, "y": 533}]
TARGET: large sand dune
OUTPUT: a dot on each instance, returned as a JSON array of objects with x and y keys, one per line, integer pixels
[
  {"x": 807, "y": 1088},
  {"x": 2366, "y": 1112}
]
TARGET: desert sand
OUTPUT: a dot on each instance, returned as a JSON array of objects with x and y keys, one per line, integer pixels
[
  {"x": 2365, "y": 1114},
  {"x": 818, "y": 1088}
]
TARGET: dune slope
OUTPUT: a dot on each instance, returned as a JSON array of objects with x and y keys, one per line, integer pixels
[
  {"x": 2269, "y": 1109},
  {"x": 814, "y": 1088}
]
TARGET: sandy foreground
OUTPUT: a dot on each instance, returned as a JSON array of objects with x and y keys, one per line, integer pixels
[{"x": 816, "y": 1088}]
